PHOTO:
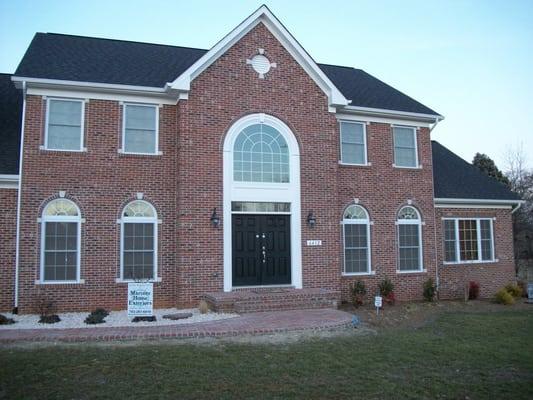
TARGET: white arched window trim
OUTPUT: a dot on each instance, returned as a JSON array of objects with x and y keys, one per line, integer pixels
[
  {"x": 401, "y": 220},
  {"x": 356, "y": 214},
  {"x": 141, "y": 220},
  {"x": 50, "y": 215}
]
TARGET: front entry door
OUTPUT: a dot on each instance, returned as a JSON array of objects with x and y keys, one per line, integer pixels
[{"x": 261, "y": 249}]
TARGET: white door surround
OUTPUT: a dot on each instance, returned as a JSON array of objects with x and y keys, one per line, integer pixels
[{"x": 263, "y": 192}]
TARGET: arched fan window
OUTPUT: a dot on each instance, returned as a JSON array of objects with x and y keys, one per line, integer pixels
[
  {"x": 356, "y": 240},
  {"x": 409, "y": 240}
]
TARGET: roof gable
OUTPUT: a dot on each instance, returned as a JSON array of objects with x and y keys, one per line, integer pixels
[{"x": 262, "y": 15}]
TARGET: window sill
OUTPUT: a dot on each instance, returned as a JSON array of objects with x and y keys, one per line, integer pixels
[
  {"x": 416, "y": 271},
  {"x": 48, "y": 150},
  {"x": 348, "y": 274},
  {"x": 129, "y": 153},
  {"x": 470, "y": 262},
  {"x": 156, "y": 280},
  {"x": 402, "y": 167},
  {"x": 343, "y": 164},
  {"x": 80, "y": 282}
]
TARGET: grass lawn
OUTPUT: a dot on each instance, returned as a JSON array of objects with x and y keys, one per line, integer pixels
[{"x": 461, "y": 355}]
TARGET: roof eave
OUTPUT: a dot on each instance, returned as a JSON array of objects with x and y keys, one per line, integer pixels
[
  {"x": 381, "y": 112},
  {"x": 443, "y": 200}
]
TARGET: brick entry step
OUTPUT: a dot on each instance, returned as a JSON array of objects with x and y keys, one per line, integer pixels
[{"x": 272, "y": 299}]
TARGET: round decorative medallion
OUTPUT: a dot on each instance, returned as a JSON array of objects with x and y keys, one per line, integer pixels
[{"x": 260, "y": 63}]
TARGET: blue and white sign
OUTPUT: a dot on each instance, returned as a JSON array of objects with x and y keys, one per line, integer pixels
[
  {"x": 140, "y": 299},
  {"x": 530, "y": 292},
  {"x": 378, "y": 301}
]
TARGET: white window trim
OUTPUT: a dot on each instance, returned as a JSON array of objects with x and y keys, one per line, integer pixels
[
  {"x": 82, "y": 124},
  {"x": 156, "y": 148},
  {"x": 415, "y": 134},
  {"x": 341, "y": 162},
  {"x": 418, "y": 222},
  {"x": 60, "y": 218},
  {"x": 141, "y": 220},
  {"x": 367, "y": 222},
  {"x": 478, "y": 229}
]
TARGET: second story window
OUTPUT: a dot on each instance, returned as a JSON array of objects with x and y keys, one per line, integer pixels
[
  {"x": 64, "y": 125},
  {"x": 405, "y": 149},
  {"x": 353, "y": 143},
  {"x": 140, "y": 129}
]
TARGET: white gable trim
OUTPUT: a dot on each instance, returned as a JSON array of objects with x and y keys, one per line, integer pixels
[{"x": 265, "y": 16}]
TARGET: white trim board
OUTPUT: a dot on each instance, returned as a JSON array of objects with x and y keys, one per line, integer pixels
[
  {"x": 9, "y": 181},
  {"x": 265, "y": 16},
  {"x": 473, "y": 203}
]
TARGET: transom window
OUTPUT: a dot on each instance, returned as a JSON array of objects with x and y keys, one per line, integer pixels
[
  {"x": 468, "y": 240},
  {"x": 353, "y": 143},
  {"x": 409, "y": 240},
  {"x": 140, "y": 129},
  {"x": 138, "y": 252},
  {"x": 60, "y": 242},
  {"x": 260, "y": 154},
  {"x": 64, "y": 125},
  {"x": 405, "y": 149},
  {"x": 356, "y": 240}
]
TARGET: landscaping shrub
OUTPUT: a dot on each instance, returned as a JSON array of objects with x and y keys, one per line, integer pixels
[
  {"x": 514, "y": 290},
  {"x": 5, "y": 320},
  {"x": 473, "y": 290},
  {"x": 203, "y": 307},
  {"x": 97, "y": 316},
  {"x": 504, "y": 297},
  {"x": 47, "y": 309},
  {"x": 358, "y": 291},
  {"x": 429, "y": 290},
  {"x": 386, "y": 288}
]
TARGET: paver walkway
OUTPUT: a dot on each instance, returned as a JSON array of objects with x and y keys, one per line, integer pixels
[{"x": 247, "y": 324}]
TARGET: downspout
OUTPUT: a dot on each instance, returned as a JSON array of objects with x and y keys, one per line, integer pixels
[
  {"x": 517, "y": 207},
  {"x": 19, "y": 197},
  {"x": 437, "y": 281}
]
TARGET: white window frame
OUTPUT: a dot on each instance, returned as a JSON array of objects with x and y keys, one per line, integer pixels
[
  {"x": 124, "y": 112},
  {"x": 341, "y": 161},
  {"x": 415, "y": 135},
  {"x": 140, "y": 220},
  {"x": 60, "y": 218},
  {"x": 478, "y": 231},
  {"x": 349, "y": 221},
  {"x": 418, "y": 222},
  {"x": 82, "y": 123}
]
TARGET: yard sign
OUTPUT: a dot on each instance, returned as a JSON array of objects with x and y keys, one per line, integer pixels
[{"x": 140, "y": 299}]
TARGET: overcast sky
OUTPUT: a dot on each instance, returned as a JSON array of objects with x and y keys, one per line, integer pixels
[{"x": 471, "y": 61}]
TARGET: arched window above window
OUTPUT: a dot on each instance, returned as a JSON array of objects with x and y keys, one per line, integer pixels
[
  {"x": 60, "y": 242},
  {"x": 355, "y": 212},
  {"x": 139, "y": 209},
  {"x": 260, "y": 154},
  {"x": 61, "y": 207},
  {"x": 409, "y": 240},
  {"x": 408, "y": 213}
]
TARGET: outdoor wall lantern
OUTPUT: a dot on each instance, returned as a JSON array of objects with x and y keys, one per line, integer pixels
[
  {"x": 215, "y": 219},
  {"x": 311, "y": 220}
]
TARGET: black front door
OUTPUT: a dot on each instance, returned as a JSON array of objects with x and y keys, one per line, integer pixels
[{"x": 261, "y": 249}]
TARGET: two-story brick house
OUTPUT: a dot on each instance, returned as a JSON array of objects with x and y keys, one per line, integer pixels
[{"x": 244, "y": 166}]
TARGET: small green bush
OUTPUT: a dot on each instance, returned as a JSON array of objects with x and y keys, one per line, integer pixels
[
  {"x": 429, "y": 290},
  {"x": 504, "y": 297},
  {"x": 358, "y": 291},
  {"x": 514, "y": 290},
  {"x": 101, "y": 311},
  {"x": 386, "y": 287},
  {"x": 97, "y": 316},
  {"x": 5, "y": 320}
]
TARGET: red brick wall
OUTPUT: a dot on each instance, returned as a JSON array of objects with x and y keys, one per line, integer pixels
[
  {"x": 8, "y": 223},
  {"x": 100, "y": 181},
  {"x": 490, "y": 276}
]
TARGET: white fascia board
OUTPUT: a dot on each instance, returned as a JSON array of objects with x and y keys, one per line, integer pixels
[
  {"x": 9, "y": 181},
  {"x": 36, "y": 84},
  {"x": 474, "y": 202},
  {"x": 264, "y": 15},
  {"x": 381, "y": 112}
]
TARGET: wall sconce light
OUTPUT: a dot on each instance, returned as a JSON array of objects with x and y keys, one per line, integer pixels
[
  {"x": 311, "y": 220},
  {"x": 215, "y": 219}
]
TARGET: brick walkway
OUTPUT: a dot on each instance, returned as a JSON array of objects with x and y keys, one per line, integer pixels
[{"x": 247, "y": 324}]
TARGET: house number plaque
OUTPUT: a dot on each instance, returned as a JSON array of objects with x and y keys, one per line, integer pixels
[{"x": 314, "y": 242}]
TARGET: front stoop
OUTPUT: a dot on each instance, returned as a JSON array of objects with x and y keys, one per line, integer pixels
[{"x": 273, "y": 299}]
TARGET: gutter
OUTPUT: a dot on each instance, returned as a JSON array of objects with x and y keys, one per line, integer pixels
[
  {"x": 518, "y": 206},
  {"x": 441, "y": 200},
  {"x": 19, "y": 200},
  {"x": 435, "y": 118}
]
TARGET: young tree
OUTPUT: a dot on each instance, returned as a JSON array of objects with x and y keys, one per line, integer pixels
[{"x": 488, "y": 166}]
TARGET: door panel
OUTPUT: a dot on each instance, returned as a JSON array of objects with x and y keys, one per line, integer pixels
[{"x": 254, "y": 234}]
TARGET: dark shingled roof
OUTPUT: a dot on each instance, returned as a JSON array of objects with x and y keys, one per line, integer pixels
[
  {"x": 454, "y": 178},
  {"x": 10, "y": 123},
  {"x": 78, "y": 58}
]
